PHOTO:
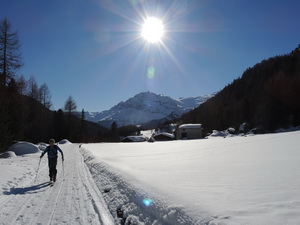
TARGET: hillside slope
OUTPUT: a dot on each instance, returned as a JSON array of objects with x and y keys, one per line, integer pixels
[
  {"x": 24, "y": 118},
  {"x": 266, "y": 96}
]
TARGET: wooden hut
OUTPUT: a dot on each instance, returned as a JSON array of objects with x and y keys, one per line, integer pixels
[{"x": 189, "y": 131}]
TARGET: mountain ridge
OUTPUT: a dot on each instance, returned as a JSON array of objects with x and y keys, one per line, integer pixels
[{"x": 145, "y": 107}]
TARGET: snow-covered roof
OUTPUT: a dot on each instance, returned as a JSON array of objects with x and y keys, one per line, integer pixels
[
  {"x": 163, "y": 137},
  {"x": 190, "y": 126},
  {"x": 135, "y": 138},
  {"x": 164, "y": 134}
]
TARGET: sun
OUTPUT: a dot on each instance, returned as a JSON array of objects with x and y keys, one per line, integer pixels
[{"x": 153, "y": 30}]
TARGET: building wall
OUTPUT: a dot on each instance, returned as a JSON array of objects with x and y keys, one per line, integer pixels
[{"x": 189, "y": 133}]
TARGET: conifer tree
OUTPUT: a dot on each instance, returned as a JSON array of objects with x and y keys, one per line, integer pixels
[
  {"x": 70, "y": 105},
  {"x": 10, "y": 55},
  {"x": 33, "y": 90},
  {"x": 45, "y": 96},
  {"x": 22, "y": 85}
]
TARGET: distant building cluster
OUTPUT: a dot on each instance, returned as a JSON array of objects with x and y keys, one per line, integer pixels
[{"x": 182, "y": 132}]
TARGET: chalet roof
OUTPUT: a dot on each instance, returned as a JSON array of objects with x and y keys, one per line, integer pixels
[
  {"x": 134, "y": 139},
  {"x": 190, "y": 126},
  {"x": 163, "y": 136}
]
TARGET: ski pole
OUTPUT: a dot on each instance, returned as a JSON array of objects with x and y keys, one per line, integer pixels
[
  {"x": 37, "y": 170},
  {"x": 62, "y": 161}
]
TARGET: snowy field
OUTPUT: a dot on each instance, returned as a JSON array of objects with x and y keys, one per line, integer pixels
[
  {"x": 238, "y": 180},
  {"x": 217, "y": 181}
]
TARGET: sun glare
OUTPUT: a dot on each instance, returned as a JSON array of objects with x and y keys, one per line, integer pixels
[{"x": 153, "y": 30}]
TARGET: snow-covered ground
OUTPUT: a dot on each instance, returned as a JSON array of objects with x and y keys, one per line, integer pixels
[
  {"x": 28, "y": 199},
  {"x": 238, "y": 180},
  {"x": 216, "y": 181}
]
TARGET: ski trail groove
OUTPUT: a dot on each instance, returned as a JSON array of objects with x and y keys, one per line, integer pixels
[
  {"x": 56, "y": 200},
  {"x": 105, "y": 216},
  {"x": 74, "y": 198}
]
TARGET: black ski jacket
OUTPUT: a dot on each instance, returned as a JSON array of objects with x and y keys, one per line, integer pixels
[{"x": 52, "y": 151}]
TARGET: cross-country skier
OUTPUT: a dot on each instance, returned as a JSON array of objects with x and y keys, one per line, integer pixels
[{"x": 51, "y": 150}]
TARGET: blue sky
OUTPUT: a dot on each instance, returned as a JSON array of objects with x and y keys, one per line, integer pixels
[{"x": 92, "y": 49}]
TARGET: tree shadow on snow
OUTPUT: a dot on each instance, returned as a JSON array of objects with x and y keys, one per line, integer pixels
[{"x": 27, "y": 190}]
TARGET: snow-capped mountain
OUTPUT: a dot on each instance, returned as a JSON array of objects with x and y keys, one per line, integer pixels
[
  {"x": 193, "y": 102},
  {"x": 144, "y": 107}
]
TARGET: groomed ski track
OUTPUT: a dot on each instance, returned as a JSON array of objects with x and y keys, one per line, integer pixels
[{"x": 74, "y": 198}]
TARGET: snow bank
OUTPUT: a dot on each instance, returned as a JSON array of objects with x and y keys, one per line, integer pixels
[
  {"x": 22, "y": 148},
  {"x": 7, "y": 154},
  {"x": 291, "y": 129},
  {"x": 42, "y": 146},
  {"x": 64, "y": 141}
]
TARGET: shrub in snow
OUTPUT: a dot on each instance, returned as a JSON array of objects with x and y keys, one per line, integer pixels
[
  {"x": 244, "y": 128},
  {"x": 217, "y": 133},
  {"x": 231, "y": 130},
  {"x": 254, "y": 131},
  {"x": 8, "y": 154},
  {"x": 22, "y": 148}
]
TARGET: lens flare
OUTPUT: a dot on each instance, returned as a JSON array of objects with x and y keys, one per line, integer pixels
[
  {"x": 147, "y": 202},
  {"x": 151, "y": 72}
]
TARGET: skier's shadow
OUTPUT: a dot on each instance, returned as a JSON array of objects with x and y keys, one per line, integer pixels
[{"x": 26, "y": 190}]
